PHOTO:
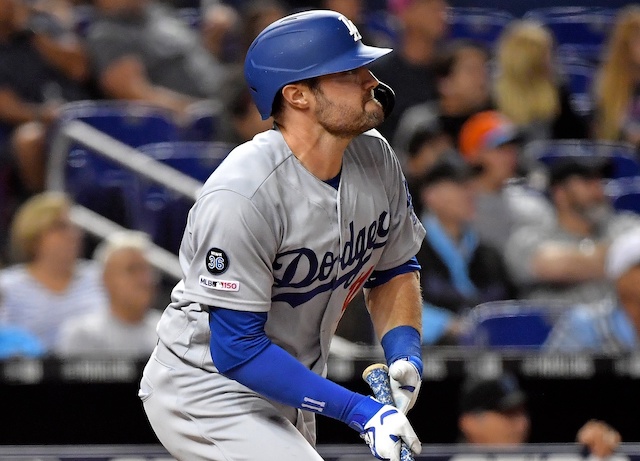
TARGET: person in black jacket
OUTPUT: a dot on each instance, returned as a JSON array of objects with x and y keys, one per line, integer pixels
[{"x": 458, "y": 270}]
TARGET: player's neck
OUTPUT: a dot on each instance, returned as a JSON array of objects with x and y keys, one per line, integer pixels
[{"x": 319, "y": 152}]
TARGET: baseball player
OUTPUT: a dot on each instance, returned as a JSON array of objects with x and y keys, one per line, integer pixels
[{"x": 283, "y": 235}]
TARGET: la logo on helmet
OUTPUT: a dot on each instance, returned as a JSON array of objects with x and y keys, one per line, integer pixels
[{"x": 353, "y": 30}]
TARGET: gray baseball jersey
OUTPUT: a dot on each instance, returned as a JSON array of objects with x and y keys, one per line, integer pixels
[{"x": 266, "y": 235}]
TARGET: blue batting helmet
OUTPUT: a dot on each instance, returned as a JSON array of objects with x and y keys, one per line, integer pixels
[{"x": 300, "y": 46}]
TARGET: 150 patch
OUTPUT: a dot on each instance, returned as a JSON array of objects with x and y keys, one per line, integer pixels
[{"x": 222, "y": 285}]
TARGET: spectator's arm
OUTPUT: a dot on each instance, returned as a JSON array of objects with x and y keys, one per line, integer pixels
[
  {"x": 127, "y": 79},
  {"x": 559, "y": 262},
  {"x": 600, "y": 438},
  {"x": 69, "y": 57},
  {"x": 15, "y": 111}
]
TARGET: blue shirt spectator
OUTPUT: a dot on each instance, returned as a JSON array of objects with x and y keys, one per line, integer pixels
[{"x": 614, "y": 325}]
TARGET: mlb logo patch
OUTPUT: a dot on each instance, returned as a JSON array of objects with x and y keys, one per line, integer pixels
[{"x": 220, "y": 285}]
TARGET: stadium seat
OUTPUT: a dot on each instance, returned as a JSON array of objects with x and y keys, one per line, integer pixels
[
  {"x": 624, "y": 193},
  {"x": 579, "y": 74},
  {"x": 202, "y": 120},
  {"x": 98, "y": 183},
  {"x": 478, "y": 23},
  {"x": 624, "y": 161},
  {"x": 514, "y": 324},
  {"x": 163, "y": 213},
  {"x": 583, "y": 26}
]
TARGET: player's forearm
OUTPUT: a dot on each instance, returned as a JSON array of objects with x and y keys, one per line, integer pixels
[
  {"x": 241, "y": 350},
  {"x": 395, "y": 303},
  {"x": 277, "y": 375}
]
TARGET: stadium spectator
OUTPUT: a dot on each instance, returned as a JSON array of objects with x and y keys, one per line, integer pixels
[
  {"x": 220, "y": 30},
  {"x": 527, "y": 88},
  {"x": 614, "y": 325},
  {"x": 565, "y": 260},
  {"x": 42, "y": 65},
  {"x": 428, "y": 145},
  {"x": 463, "y": 89},
  {"x": 128, "y": 327},
  {"x": 458, "y": 270},
  {"x": 617, "y": 87},
  {"x": 52, "y": 284},
  {"x": 493, "y": 411},
  {"x": 17, "y": 342},
  {"x": 141, "y": 51},
  {"x": 255, "y": 16},
  {"x": 241, "y": 120},
  {"x": 491, "y": 144},
  {"x": 407, "y": 69}
]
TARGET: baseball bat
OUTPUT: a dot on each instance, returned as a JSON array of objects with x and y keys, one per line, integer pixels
[{"x": 377, "y": 377}]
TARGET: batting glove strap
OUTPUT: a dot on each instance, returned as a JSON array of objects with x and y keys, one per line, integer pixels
[
  {"x": 386, "y": 430},
  {"x": 405, "y": 382}
]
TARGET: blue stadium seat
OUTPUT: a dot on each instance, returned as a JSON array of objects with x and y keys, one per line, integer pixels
[
  {"x": 519, "y": 324},
  {"x": 624, "y": 193},
  {"x": 579, "y": 74},
  {"x": 98, "y": 183},
  {"x": 202, "y": 121},
  {"x": 191, "y": 16},
  {"x": 478, "y": 23},
  {"x": 624, "y": 161},
  {"x": 163, "y": 213},
  {"x": 576, "y": 25},
  {"x": 198, "y": 159}
]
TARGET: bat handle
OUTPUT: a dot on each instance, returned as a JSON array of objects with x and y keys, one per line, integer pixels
[{"x": 377, "y": 377}]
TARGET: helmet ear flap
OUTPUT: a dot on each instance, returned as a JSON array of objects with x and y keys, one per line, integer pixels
[{"x": 385, "y": 96}]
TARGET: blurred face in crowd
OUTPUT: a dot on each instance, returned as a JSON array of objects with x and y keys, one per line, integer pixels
[
  {"x": 496, "y": 427},
  {"x": 499, "y": 164},
  {"x": 634, "y": 46},
  {"x": 451, "y": 201},
  {"x": 122, "y": 6},
  {"x": 427, "y": 154},
  {"x": 130, "y": 282},
  {"x": 60, "y": 242},
  {"x": 428, "y": 17},
  {"x": 628, "y": 288},
  {"x": 352, "y": 9},
  {"x": 583, "y": 196},
  {"x": 10, "y": 12},
  {"x": 469, "y": 79}
]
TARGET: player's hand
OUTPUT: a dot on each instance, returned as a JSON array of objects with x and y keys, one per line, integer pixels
[
  {"x": 600, "y": 438},
  {"x": 385, "y": 431},
  {"x": 405, "y": 383}
]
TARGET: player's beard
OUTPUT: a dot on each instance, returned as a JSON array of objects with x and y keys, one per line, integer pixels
[{"x": 345, "y": 121}]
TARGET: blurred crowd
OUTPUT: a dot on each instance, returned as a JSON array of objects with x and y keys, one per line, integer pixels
[{"x": 469, "y": 119}]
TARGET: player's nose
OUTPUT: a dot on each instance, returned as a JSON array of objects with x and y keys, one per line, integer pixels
[{"x": 369, "y": 81}]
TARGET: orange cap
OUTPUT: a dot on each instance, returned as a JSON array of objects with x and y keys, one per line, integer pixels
[{"x": 485, "y": 130}]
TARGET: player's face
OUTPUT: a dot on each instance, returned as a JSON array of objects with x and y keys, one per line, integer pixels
[{"x": 345, "y": 105}]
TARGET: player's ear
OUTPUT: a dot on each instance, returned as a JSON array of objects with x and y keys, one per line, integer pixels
[{"x": 297, "y": 95}]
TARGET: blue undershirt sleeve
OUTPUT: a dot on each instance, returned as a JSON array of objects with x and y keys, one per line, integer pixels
[
  {"x": 241, "y": 351},
  {"x": 381, "y": 277}
]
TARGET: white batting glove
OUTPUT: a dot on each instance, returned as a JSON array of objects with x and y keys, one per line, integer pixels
[
  {"x": 405, "y": 384},
  {"x": 386, "y": 430}
]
